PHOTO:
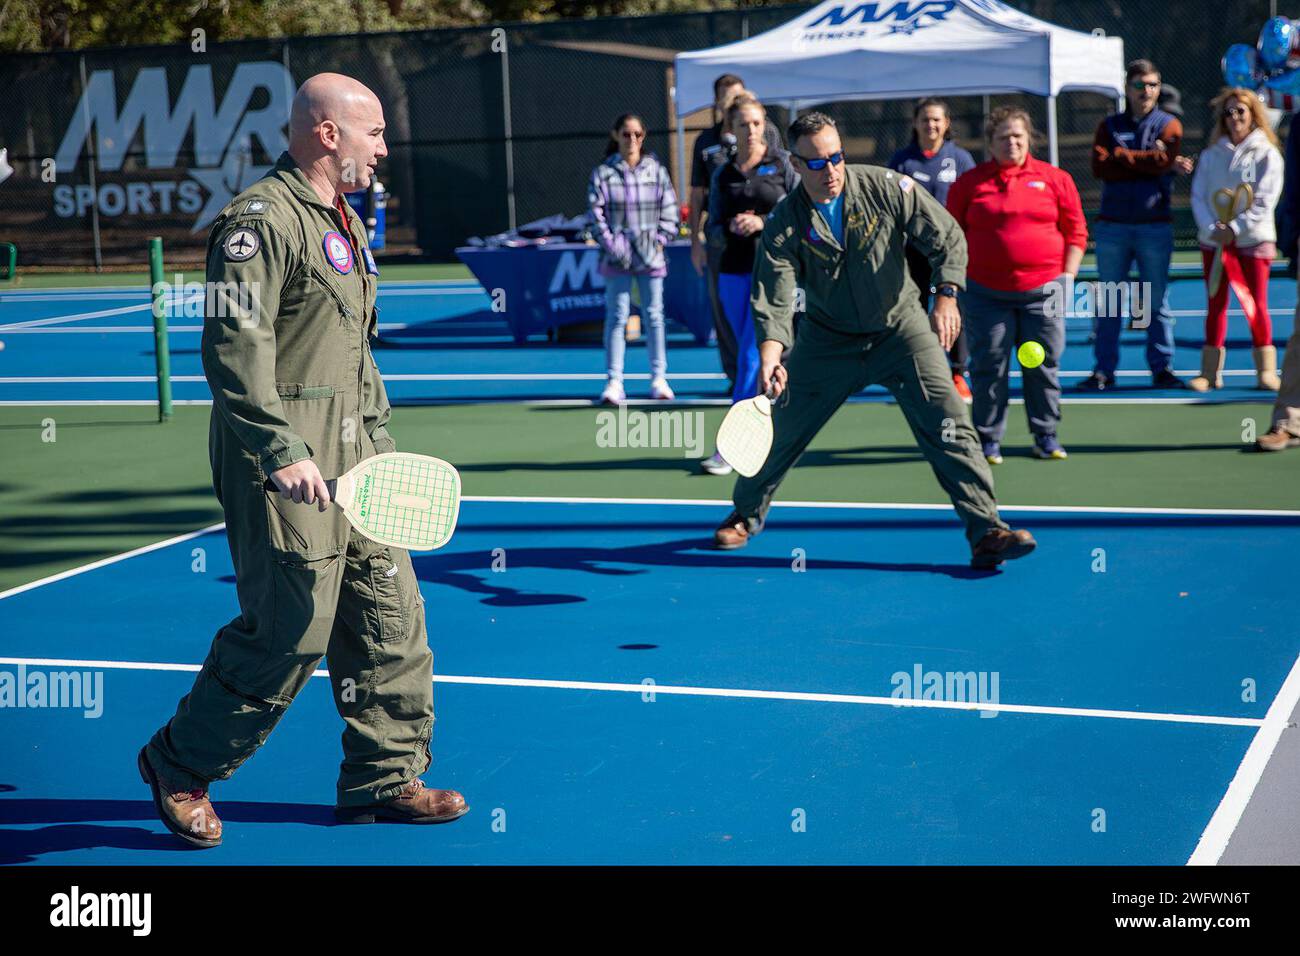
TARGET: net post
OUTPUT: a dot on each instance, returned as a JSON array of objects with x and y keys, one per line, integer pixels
[
  {"x": 162, "y": 357},
  {"x": 10, "y": 256}
]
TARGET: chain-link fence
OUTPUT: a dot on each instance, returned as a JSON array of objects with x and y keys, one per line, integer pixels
[{"x": 487, "y": 127}]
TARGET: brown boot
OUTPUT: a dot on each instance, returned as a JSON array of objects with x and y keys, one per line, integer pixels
[
  {"x": 1001, "y": 544},
  {"x": 415, "y": 804},
  {"x": 1211, "y": 370},
  {"x": 1277, "y": 439},
  {"x": 1266, "y": 368},
  {"x": 187, "y": 813},
  {"x": 732, "y": 533}
]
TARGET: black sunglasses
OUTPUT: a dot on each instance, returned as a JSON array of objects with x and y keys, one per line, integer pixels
[{"x": 817, "y": 165}]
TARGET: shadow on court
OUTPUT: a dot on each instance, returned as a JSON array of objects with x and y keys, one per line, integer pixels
[
  {"x": 74, "y": 828},
  {"x": 470, "y": 571}
]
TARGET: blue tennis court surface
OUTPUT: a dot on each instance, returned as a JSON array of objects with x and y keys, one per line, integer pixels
[
  {"x": 674, "y": 704},
  {"x": 440, "y": 342}
]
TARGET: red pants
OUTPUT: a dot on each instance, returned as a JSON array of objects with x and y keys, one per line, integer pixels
[{"x": 1250, "y": 271}]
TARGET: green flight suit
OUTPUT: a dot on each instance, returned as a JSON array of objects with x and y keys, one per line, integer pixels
[
  {"x": 286, "y": 353},
  {"x": 863, "y": 325}
]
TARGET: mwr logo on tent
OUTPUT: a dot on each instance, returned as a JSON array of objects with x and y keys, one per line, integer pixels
[
  {"x": 222, "y": 139},
  {"x": 876, "y": 19}
]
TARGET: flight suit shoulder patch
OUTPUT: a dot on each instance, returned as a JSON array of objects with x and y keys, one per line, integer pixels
[{"x": 241, "y": 244}]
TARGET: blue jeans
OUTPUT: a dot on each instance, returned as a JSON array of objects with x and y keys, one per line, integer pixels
[
  {"x": 618, "y": 305},
  {"x": 1151, "y": 245},
  {"x": 733, "y": 290}
]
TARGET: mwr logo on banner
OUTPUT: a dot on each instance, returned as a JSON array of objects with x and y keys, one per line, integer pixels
[
  {"x": 576, "y": 282},
  {"x": 852, "y": 21},
  {"x": 222, "y": 139}
]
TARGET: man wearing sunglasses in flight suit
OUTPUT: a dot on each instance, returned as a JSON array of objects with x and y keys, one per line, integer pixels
[{"x": 840, "y": 239}]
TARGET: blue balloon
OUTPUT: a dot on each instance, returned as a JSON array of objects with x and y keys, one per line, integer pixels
[
  {"x": 1239, "y": 66},
  {"x": 1275, "y": 41},
  {"x": 1287, "y": 81}
]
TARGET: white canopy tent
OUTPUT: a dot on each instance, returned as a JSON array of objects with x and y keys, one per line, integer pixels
[{"x": 896, "y": 49}]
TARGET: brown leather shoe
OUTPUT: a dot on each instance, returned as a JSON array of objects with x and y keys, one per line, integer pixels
[
  {"x": 187, "y": 813},
  {"x": 1001, "y": 544},
  {"x": 415, "y": 804},
  {"x": 732, "y": 533},
  {"x": 1277, "y": 439}
]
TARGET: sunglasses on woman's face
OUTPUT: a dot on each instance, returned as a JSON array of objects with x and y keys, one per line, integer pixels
[
  {"x": 817, "y": 165},
  {"x": 1236, "y": 111},
  {"x": 632, "y": 134}
]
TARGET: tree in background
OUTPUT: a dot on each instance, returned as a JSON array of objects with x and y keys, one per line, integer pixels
[{"x": 35, "y": 25}]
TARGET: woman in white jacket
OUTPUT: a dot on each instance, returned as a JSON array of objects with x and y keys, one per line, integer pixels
[{"x": 1245, "y": 151}]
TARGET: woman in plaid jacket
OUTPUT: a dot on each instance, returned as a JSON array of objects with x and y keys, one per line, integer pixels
[{"x": 634, "y": 213}]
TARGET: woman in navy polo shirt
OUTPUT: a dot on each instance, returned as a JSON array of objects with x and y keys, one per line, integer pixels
[
  {"x": 741, "y": 194},
  {"x": 935, "y": 161}
]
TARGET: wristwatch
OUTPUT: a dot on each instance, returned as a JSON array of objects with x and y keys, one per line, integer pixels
[{"x": 947, "y": 289}]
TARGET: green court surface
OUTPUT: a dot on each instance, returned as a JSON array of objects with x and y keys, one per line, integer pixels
[
  {"x": 72, "y": 280},
  {"x": 392, "y": 272},
  {"x": 113, "y": 479}
]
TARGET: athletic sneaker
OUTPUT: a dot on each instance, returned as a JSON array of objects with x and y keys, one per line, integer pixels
[
  {"x": 613, "y": 393},
  {"x": 1096, "y": 382},
  {"x": 660, "y": 391},
  {"x": 1166, "y": 379},
  {"x": 715, "y": 464},
  {"x": 1048, "y": 448},
  {"x": 992, "y": 453},
  {"x": 959, "y": 383}
]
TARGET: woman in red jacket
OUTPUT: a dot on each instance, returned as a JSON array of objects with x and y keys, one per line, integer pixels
[{"x": 1026, "y": 233}]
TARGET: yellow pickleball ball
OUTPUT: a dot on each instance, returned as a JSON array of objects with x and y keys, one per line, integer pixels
[{"x": 1031, "y": 355}]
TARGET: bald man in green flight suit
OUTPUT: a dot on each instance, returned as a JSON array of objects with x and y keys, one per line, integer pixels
[
  {"x": 839, "y": 238},
  {"x": 297, "y": 398}
]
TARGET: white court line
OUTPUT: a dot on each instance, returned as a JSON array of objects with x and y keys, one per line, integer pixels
[
  {"x": 873, "y": 399},
  {"x": 115, "y": 294},
  {"x": 95, "y": 403},
  {"x": 14, "y": 326},
  {"x": 104, "y": 562},
  {"x": 102, "y": 330},
  {"x": 90, "y": 291},
  {"x": 514, "y": 376},
  {"x": 1214, "y": 840},
  {"x": 82, "y": 316},
  {"x": 888, "y": 506},
  {"x": 867, "y": 398},
  {"x": 92, "y": 379},
  {"x": 174, "y": 329},
  {"x": 538, "y": 376},
  {"x": 476, "y": 290},
  {"x": 697, "y": 502},
  {"x": 731, "y": 692}
]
